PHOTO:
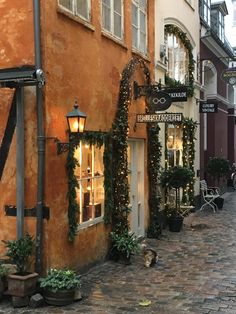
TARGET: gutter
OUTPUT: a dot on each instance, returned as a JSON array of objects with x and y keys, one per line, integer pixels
[{"x": 40, "y": 141}]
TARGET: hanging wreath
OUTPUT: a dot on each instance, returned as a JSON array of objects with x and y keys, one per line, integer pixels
[{"x": 171, "y": 29}]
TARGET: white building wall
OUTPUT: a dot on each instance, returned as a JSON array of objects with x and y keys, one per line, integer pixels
[{"x": 186, "y": 17}]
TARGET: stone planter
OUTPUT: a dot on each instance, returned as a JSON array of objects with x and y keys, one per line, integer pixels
[
  {"x": 22, "y": 285},
  {"x": 59, "y": 297}
]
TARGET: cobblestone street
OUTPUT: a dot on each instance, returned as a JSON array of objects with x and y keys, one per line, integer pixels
[{"x": 196, "y": 273}]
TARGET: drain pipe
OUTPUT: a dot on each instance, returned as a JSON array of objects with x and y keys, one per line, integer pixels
[{"x": 40, "y": 141}]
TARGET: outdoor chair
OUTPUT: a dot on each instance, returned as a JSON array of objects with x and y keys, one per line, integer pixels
[{"x": 209, "y": 194}]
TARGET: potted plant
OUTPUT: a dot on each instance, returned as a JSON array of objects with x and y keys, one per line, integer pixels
[
  {"x": 22, "y": 283},
  {"x": 123, "y": 245},
  {"x": 3, "y": 274},
  {"x": 59, "y": 286},
  {"x": 176, "y": 177},
  {"x": 217, "y": 168}
]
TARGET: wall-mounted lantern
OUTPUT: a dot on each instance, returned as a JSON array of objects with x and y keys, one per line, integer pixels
[{"x": 76, "y": 122}]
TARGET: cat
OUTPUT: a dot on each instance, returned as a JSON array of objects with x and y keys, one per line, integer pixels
[{"x": 149, "y": 255}]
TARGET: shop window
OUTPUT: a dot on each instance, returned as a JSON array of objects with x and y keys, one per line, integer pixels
[
  {"x": 89, "y": 173},
  {"x": 139, "y": 25},
  {"x": 174, "y": 145},
  {"x": 177, "y": 59},
  {"x": 77, "y": 7},
  {"x": 112, "y": 17}
]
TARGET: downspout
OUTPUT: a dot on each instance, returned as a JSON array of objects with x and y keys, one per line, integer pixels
[{"x": 40, "y": 141}]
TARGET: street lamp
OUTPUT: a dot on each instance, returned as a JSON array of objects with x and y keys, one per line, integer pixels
[{"x": 76, "y": 122}]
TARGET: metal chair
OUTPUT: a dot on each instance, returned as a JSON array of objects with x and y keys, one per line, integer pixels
[{"x": 209, "y": 194}]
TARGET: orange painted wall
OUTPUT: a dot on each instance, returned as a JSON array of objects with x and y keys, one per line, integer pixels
[
  {"x": 17, "y": 48},
  {"x": 80, "y": 62}
]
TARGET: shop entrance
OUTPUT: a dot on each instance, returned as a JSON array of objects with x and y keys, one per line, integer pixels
[{"x": 136, "y": 182}]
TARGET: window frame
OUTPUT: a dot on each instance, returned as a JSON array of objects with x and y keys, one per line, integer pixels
[
  {"x": 221, "y": 26},
  {"x": 206, "y": 11},
  {"x": 140, "y": 10},
  {"x": 112, "y": 24},
  {"x": 75, "y": 12},
  {"x": 89, "y": 179},
  {"x": 176, "y": 57}
]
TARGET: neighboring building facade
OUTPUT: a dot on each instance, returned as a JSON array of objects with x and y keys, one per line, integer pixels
[
  {"x": 217, "y": 129},
  {"x": 176, "y": 55},
  {"x": 85, "y": 47}
]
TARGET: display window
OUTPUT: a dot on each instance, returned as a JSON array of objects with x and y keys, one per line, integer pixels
[
  {"x": 174, "y": 145},
  {"x": 90, "y": 176}
]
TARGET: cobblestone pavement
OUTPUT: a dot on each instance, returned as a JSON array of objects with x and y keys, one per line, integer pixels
[{"x": 196, "y": 273}]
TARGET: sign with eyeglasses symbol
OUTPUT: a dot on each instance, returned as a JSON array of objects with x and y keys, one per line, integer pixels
[{"x": 158, "y": 101}]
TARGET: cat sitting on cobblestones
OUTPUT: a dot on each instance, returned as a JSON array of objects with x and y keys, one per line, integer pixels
[{"x": 149, "y": 255}]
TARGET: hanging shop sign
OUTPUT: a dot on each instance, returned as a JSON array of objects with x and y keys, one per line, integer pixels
[
  {"x": 208, "y": 107},
  {"x": 160, "y": 117},
  {"x": 158, "y": 100},
  {"x": 177, "y": 94},
  {"x": 229, "y": 76}
]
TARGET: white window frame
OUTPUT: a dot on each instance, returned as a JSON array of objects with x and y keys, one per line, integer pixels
[
  {"x": 221, "y": 26},
  {"x": 178, "y": 50},
  {"x": 234, "y": 13},
  {"x": 91, "y": 178},
  {"x": 140, "y": 10},
  {"x": 112, "y": 23},
  {"x": 207, "y": 11},
  {"x": 74, "y": 9}
]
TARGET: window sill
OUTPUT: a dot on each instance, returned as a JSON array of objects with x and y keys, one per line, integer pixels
[
  {"x": 190, "y": 5},
  {"x": 114, "y": 39},
  {"x": 75, "y": 18},
  {"x": 141, "y": 55},
  {"x": 89, "y": 223}
]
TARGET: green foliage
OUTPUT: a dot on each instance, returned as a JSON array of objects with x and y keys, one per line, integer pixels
[
  {"x": 60, "y": 279},
  {"x": 154, "y": 164},
  {"x": 3, "y": 271},
  {"x": 125, "y": 242},
  {"x": 20, "y": 251},
  {"x": 171, "y": 29},
  {"x": 73, "y": 207},
  {"x": 119, "y": 134},
  {"x": 176, "y": 177},
  {"x": 218, "y": 167}
]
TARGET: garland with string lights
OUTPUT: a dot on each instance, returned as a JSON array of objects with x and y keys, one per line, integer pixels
[
  {"x": 171, "y": 29},
  {"x": 189, "y": 129},
  {"x": 119, "y": 135},
  {"x": 73, "y": 207},
  {"x": 154, "y": 164},
  {"x": 96, "y": 138}
]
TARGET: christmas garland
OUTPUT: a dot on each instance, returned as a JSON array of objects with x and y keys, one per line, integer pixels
[
  {"x": 189, "y": 129},
  {"x": 154, "y": 165},
  {"x": 121, "y": 200},
  {"x": 171, "y": 29}
]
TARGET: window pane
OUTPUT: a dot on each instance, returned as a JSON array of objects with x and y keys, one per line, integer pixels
[
  {"x": 117, "y": 25},
  {"x": 67, "y": 4},
  {"x": 106, "y": 15},
  {"x": 82, "y": 8},
  {"x": 134, "y": 15},
  {"x": 143, "y": 42},
  {"x": 117, "y": 6},
  {"x": 134, "y": 37},
  {"x": 90, "y": 195},
  {"x": 143, "y": 4}
]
